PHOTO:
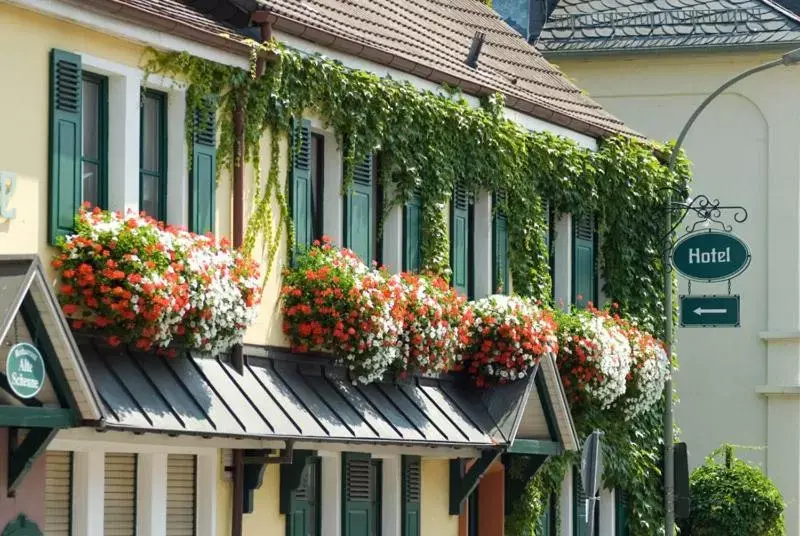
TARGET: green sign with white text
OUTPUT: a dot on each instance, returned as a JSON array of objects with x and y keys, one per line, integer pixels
[
  {"x": 25, "y": 370},
  {"x": 710, "y": 256},
  {"x": 710, "y": 311}
]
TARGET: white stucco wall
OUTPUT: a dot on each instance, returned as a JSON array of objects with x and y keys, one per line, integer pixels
[{"x": 746, "y": 151}]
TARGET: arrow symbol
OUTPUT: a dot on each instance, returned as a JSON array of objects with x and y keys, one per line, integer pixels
[{"x": 700, "y": 311}]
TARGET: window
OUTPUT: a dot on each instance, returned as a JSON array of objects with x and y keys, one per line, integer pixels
[
  {"x": 362, "y": 490},
  {"x": 501, "y": 275},
  {"x": 412, "y": 234},
  {"x": 362, "y": 209},
  {"x": 317, "y": 183},
  {"x": 153, "y": 154},
  {"x": 94, "y": 153},
  {"x": 461, "y": 223},
  {"x": 584, "y": 271}
]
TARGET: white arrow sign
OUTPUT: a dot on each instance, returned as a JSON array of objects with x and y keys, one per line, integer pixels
[{"x": 700, "y": 311}]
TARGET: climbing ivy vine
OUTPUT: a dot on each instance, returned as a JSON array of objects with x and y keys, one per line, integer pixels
[{"x": 427, "y": 142}]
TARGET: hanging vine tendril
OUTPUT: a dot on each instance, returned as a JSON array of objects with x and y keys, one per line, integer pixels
[{"x": 430, "y": 141}]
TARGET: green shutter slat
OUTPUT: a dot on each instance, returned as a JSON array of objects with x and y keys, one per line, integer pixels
[
  {"x": 579, "y": 523},
  {"x": 500, "y": 270},
  {"x": 412, "y": 251},
  {"x": 459, "y": 236},
  {"x": 583, "y": 262},
  {"x": 202, "y": 185},
  {"x": 359, "y": 231},
  {"x": 411, "y": 494},
  {"x": 301, "y": 189},
  {"x": 65, "y": 180},
  {"x": 357, "y": 515}
]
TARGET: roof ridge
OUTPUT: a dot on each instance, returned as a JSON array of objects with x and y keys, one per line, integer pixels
[{"x": 785, "y": 12}]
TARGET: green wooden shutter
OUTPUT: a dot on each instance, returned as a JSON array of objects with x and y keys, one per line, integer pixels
[
  {"x": 500, "y": 270},
  {"x": 580, "y": 527},
  {"x": 460, "y": 254},
  {"x": 301, "y": 189},
  {"x": 202, "y": 184},
  {"x": 412, "y": 235},
  {"x": 621, "y": 517},
  {"x": 359, "y": 212},
  {"x": 411, "y": 494},
  {"x": 303, "y": 514},
  {"x": 357, "y": 514},
  {"x": 584, "y": 273},
  {"x": 65, "y": 142}
]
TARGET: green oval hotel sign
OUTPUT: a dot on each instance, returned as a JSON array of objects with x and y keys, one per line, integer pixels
[
  {"x": 710, "y": 256},
  {"x": 25, "y": 370}
]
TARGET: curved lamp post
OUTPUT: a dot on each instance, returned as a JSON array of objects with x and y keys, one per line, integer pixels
[{"x": 788, "y": 59}]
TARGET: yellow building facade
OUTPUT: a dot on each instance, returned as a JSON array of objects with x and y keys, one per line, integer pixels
[{"x": 120, "y": 467}]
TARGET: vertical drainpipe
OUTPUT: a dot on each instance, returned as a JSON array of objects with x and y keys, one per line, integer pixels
[{"x": 237, "y": 357}]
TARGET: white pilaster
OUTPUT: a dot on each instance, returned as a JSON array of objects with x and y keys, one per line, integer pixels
[
  {"x": 607, "y": 513},
  {"x": 88, "y": 483},
  {"x": 332, "y": 205},
  {"x": 207, "y": 482},
  {"x": 151, "y": 494},
  {"x": 482, "y": 242},
  {"x": 178, "y": 159},
  {"x": 391, "y": 501},
  {"x": 124, "y": 101},
  {"x": 331, "y": 493},
  {"x": 393, "y": 235},
  {"x": 123, "y": 142},
  {"x": 562, "y": 259}
]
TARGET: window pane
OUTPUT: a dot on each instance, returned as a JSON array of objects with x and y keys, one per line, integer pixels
[
  {"x": 316, "y": 183},
  {"x": 91, "y": 183},
  {"x": 150, "y": 195},
  {"x": 151, "y": 133},
  {"x": 91, "y": 119}
]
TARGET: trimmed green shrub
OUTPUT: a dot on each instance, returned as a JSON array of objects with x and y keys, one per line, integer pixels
[{"x": 733, "y": 498}]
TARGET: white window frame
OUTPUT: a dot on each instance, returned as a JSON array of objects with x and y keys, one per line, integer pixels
[
  {"x": 124, "y": 100},
  {"x": 562, "y": 260},
  {"x": 330, "y": 509},
  {"x": 482, "y": 243},
  {"x": 88, "y": 485},
  {"x": 332, "y": 206}
]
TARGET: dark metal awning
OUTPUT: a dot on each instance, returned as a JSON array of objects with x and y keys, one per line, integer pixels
[{"x": 283, "y": 396}]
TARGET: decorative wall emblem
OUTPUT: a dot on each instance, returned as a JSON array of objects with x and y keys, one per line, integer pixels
[{"x": 25, "y": 370}]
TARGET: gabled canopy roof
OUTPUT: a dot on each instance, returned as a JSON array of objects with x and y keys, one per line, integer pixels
[
  {"x": 282, "y": 396},
  {"x": 579, "y": 26},
  {"x": 24, "y": 292}
]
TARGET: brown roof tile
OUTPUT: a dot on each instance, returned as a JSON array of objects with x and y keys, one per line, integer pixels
[
  {"x": 428, "y": 38},
  {"x": 437, "y": 34}
]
